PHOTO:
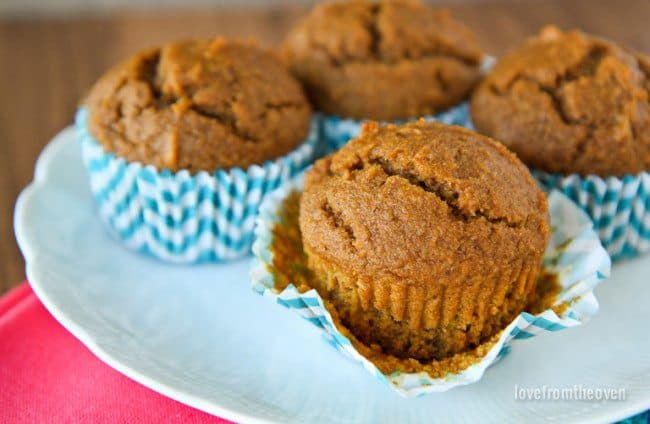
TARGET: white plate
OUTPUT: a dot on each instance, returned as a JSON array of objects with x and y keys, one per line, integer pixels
[{"x": 200, "y": 335}]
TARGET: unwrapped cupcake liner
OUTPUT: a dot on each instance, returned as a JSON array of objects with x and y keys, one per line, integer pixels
[
  {"x": 336, "y": 132},
  {"x": 180, "y": 217},
  {"x": 574, "y": 254},
  {"x": 618, "y": 206}
]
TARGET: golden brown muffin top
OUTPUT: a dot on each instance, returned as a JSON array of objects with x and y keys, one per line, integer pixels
[
  {"x": 568, "y": 102},
  {"x": 199, "y": 105},
  {"x": 415, "y": 202},
  {"x": 374, "y": 49},
  {"x": 386, "y": 31}
]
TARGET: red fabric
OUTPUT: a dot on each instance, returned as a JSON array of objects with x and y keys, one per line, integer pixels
[{"x": 47, "y": 375}]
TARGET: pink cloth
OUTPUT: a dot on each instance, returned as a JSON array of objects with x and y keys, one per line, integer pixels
[{"x": 48, "y": 376}]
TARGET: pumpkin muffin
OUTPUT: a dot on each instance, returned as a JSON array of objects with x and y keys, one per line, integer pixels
[
  {"x": 426, "y": 239},
  {"x": 183, "y": 142},
  {"x": 386, "y": 60},
  {"x": 200, "y": 106},
  {"x": 568, "y": 102}
]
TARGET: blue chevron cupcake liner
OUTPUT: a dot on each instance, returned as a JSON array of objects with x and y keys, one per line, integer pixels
[
  {"x": 180, "y": 217},
  {"x": 574, "y": 254},
  {"x": 336, "y": 132},
  {"x": 618, "y": 206}
]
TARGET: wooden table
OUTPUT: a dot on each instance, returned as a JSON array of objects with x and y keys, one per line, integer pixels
[{"x": 46, "y": 64}]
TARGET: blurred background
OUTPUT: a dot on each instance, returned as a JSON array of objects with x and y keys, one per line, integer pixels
[
  {"x": 51, "y": 51},
  {"x": 95, "y": 6}
]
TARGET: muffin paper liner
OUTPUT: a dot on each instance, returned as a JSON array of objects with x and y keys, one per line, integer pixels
[
  {"x": 180, "y": 217},
  {"x": 618, "y": 206},
  {"x": 336, "y": 132},
  {"x": 574, "y": 254}
]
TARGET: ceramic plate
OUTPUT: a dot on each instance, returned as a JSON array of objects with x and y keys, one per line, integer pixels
[{"x": 200, "y": 335}]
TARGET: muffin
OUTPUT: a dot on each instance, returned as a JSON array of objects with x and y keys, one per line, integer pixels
[
  {"x": 576, "y": 108},
  {"x": 569, "y": 103},
  {"x": 388, "y": 60},
  {"x": 200, "y": 106},
  {"x": 426, "y": 239},
  {"x": 182, "y": 142}
]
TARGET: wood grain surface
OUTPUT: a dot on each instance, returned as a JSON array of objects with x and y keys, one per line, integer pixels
[{"x": 47, "y": 63}]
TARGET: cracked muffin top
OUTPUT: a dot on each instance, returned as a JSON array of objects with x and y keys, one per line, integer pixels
[
  {"x": 199, "y": 106},
  {"x": 567, "y": 102},
  {"x": 422, "y": 204},
  {"x": 383, "y": 60}
]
